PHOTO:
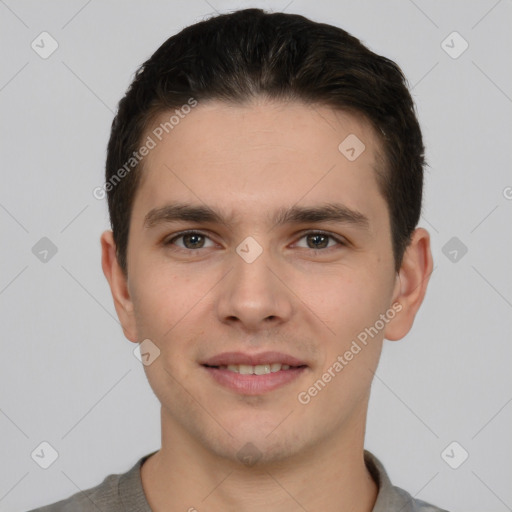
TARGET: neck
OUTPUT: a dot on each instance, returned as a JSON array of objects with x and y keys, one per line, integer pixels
[{"x": 332, "y": 476}]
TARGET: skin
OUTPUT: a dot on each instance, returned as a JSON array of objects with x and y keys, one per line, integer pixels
[{"x": 193, "y": 303}]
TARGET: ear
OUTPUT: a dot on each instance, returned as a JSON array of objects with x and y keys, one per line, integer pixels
[
  {"x": 118, "y": 283},
  {"x": 411, "y": 284}
]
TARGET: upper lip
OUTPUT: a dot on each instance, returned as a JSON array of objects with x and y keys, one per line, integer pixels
[{"x": 235, "y": 358}]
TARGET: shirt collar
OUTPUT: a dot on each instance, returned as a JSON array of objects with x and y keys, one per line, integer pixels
[{"x": 388, "y": 497}]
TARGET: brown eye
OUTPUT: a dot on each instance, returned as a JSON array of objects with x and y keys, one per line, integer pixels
[
  {"x": 319, "y": 240},
  {"x": 190, "y": 240},
  {"x": 193, "y": 241}
]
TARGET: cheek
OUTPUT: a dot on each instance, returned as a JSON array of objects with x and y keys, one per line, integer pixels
[
  {"x": 350, "y": 303},
  {"x": 169, "y": 309},
  {"x": 157, "y": 302},
  {"x": 348, "y": 300}
]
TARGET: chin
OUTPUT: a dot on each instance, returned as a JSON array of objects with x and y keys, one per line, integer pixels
[
  {"x": 260, "y": 443},
  {"x": 256, "y": 451},
  {"x": 261, "y": 426}
]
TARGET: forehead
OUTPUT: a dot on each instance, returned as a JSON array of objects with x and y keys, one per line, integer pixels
[{"x": 261, "y": 154}]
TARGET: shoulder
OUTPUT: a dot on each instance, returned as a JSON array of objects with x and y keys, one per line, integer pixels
[
  {"x": 91, "y": 500},
  {"x": 412, "y": 504},
  {"x": 390, "y": 497},
  {"x": 116, "y": 493}
]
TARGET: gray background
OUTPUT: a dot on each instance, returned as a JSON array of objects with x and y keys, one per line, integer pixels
[{"x": 67, "y": 374}]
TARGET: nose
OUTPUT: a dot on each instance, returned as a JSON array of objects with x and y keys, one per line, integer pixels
[{"x": 253, "y": 295}]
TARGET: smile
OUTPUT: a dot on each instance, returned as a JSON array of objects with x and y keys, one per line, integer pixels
[
  {"x": 259, "y": 369},
  {"x": 253, "y": 374}
]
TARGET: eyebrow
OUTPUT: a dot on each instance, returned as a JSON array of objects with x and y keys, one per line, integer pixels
[{"x": 331, "y": 212}]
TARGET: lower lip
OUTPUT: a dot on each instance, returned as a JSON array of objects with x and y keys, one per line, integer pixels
[{"x": 254, "y": 384}]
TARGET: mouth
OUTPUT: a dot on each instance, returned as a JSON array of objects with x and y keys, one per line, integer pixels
[
  {"x": 254, "y": 374},
  {"x": 259, "y": 369}
]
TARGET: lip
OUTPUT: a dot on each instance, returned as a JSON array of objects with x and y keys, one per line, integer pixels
[
  {"x": 227, "y": 358},
  {"x": 253, "y": 384}
]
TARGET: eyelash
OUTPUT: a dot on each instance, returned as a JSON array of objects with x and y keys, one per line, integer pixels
[{"x": 340, "y": 241}]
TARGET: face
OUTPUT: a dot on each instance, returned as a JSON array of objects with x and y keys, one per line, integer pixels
[{"x": 260, "y": 265}]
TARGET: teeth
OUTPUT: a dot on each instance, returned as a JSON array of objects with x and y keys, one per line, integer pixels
[
  {"x": 245, "y": 369},
  {"x": 259, "y": 369}
]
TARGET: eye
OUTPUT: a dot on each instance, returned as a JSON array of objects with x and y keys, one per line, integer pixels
[
  {"x": 320, "y": 240},
  {"x": 190, "y": 240}
]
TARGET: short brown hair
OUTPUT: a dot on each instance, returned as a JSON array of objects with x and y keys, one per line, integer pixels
[{"x": 235, "y": 57}]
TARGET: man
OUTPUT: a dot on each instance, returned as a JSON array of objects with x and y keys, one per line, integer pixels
[{"x": 264, "y": 178}]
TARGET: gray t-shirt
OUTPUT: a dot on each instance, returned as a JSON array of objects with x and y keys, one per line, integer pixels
[{"x": 124, "y": 493}]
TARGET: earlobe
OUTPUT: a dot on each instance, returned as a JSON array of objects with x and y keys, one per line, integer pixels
[
  {"x": 411, "y": 284},
  {"x": 118, "y": 283}
]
